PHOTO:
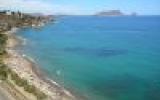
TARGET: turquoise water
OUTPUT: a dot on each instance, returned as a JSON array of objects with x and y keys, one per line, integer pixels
[{"x": 100, "y": 58}]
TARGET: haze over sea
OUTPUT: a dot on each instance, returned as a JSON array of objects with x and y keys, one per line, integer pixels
[{"x": 100, "y": 58}]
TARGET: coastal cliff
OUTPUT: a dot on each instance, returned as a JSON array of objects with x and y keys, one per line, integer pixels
[{"x": 19, "y": 76}]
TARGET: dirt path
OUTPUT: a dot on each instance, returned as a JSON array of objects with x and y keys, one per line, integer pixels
[
  {"x": 4, "y": 94},
  {"x": 9, "y": 92}
]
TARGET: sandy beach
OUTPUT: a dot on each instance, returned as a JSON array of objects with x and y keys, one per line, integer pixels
[{"x": 27, "y": 70}]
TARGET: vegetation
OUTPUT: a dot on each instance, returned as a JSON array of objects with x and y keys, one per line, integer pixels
[
  {"x": 27, "y": 87},
  {"x": 3, "y": 39},
  {"x": 5, "y": 72},
  {"x": 7, "y": 21},
  {"x": 3, "y": 68}
]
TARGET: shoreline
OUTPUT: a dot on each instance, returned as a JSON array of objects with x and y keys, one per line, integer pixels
[{"x": 27, "y": 69}]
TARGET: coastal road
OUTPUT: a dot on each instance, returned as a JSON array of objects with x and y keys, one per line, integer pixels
[{"x": 4, "y": 95}]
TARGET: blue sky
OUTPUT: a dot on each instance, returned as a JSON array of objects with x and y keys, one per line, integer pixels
[
  {"x": 143, "y": 7},
  {"x": 90, "y": 6}
]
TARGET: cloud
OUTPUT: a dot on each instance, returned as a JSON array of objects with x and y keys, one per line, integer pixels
[
  {"x": 26, "y": 5},
  {"x": 37, "y": 6}
]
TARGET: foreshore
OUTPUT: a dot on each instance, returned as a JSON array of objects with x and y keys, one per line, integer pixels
[{"x": 26, "y": 69}]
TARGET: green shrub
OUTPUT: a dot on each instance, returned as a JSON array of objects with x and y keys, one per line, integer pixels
[
  {"x": 3, "y": 40},
  {"x": 3, "y": 75},
  {"x": 40, "y": 95},
  {"x": 27, "y": 87},
  {"x": 3, "y": 72}
]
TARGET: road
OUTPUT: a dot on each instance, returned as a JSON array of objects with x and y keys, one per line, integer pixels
[{"x": 4, "y": 95}]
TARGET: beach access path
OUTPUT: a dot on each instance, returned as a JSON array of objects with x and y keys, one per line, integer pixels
[{"x": 4, "y": 94}]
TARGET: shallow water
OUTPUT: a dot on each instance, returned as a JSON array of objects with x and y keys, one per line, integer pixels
[{"x": 100, "y": 58}]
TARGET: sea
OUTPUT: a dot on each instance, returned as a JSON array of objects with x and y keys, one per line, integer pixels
[{"x": 99, "y": 58}]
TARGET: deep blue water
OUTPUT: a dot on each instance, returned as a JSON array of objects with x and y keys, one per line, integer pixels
[{"x": 100, "y": 58}]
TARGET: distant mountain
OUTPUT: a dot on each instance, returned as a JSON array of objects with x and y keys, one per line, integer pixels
[
  {"x": 114, "y": 13},
  {"x": 134, "y": 14},
  {"x": 110, "y": 13}
]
